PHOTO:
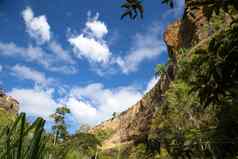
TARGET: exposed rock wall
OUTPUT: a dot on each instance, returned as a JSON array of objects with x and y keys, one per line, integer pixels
[
  {"x": 187, "y": 32},
  {"x": 8, "y": 103}
]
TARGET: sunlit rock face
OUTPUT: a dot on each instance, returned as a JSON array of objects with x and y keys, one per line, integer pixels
[
  {"x": 8, "y": 103},
  {"x": 187, "y": 32},
  {"x": 133, "y": 124}
]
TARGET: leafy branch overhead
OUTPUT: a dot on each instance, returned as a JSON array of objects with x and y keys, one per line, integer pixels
[
  {"x": 131, "y": 9},
  {"x": 168, "y": 2}
]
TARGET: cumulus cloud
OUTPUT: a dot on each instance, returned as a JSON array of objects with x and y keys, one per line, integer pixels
[
  {"x": 95, "y": 103},
  {"x": 90, "y": 48},
  {"x": 96, "y": 27},
  {"x": 27, "y": 73},
  {"x": 90, "y": 43},
  {"x": 82, "y": 111},
  {"x": 146, "y": 47},
  {"x": 36, "y": 102},
  {"x": 37, "y": 27}
]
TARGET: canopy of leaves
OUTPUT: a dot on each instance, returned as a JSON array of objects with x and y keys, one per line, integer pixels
[{"x": 217, "y": 69}]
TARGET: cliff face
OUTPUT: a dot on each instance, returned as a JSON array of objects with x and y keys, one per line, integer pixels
[
  {"x": 133, "y": 125},
  {"x": 187, "y": 32},
  {"x": 8, "y": 104}
]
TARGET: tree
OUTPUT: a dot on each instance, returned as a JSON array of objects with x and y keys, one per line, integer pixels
[
  {"x": 60, "y": 128},
  {"x": 84, "y": 128},
  {"x": 114, "y": 114},
  {"x": 160, "y": 69}
]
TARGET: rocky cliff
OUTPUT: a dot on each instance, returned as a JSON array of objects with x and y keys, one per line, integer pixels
[
  {"x": 133, "y": 125},
  {"x": 8, "y": 103}
]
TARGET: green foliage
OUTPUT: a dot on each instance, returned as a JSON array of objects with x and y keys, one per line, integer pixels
[
  {"x": 216, "y": 69},
  {"x": 182, "y": 51},
  {"x": 84, "y": 143},
  {"x": 102, "y": 135},
  {"x": 114, "y": 114},
  {"x": 84, "y": 128},
  {"x": 21, "y": 140},
  {"x": 224, "y": 137},
  {"x": 80, "y": 144},
  {"x": 64, "y": 146},
  {"x": 211, "y": 6},
  {"x": 139, "y": 151},
  {"x": 179, "y": 123},
  {"x": 160, "y": 69},
  {"x": 216, "y": 22}
]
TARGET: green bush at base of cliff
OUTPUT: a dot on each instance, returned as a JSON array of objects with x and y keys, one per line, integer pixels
[{"x": 102, "y": 135}]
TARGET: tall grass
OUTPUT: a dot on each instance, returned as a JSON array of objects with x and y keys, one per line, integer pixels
[{"x": 21, "y": 140}]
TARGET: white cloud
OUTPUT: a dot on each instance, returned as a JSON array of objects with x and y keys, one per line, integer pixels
[
  {"x": 35, "y": 102},
  {"x": 90, "y": 48},
  {"x": 151, "y": 84},
  {"x": 1, "y": 68},
  {"x": 31, "y": 74},
  {"x": 29, "y": 54},
  {"x": 82, "y": 111},
  {"x": 94, "y": 103},
  {"x": 38, "y": 55},
  {"x": 146, "y": 47},
  {"x": 60, "y": 52},
  {"x": 90, "y": 43},
  {"x": 98, "y": 28},
  {"x": 64, "y": 69},
  {"x": 37, "y": 27}
]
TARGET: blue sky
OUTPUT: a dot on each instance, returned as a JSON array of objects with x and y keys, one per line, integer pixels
[{"x": 81, "y": 54}]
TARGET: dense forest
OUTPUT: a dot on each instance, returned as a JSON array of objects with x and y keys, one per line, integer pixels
[{"x": 197, "y": 117}]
